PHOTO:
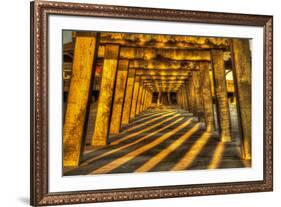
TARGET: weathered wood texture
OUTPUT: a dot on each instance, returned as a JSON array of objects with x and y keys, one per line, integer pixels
[
  {"x": 135, "y": 97},
  {"x": 164, "y": 41},
  {"x": 241, "y": 57},
  {"x": 159, "y": 98},
  {"x": 139, "y": 99},
  {"x": 197, "y": 90},
  {"x": 101, "y": 132},
  {"x": 128, "y": 97},
  {"x": 78, "y": 96},
  {"x": 221, "y": 94},
  {"x": 207, "y": 96},
  {"x": 163, "y": 54},
  {"x": 143, "y": 100},
  {"x": 119, "y": 94},
  {"x": 185, "y": 98},
  {"x": 163, "y": 72}
]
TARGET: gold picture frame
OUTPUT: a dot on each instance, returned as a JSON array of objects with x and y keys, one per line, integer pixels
[{"x": 41, "y": 10}]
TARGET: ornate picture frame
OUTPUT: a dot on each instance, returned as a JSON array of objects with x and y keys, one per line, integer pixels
[{"x": 40, "y": 13}]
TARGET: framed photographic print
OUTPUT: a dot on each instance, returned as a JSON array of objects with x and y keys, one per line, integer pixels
[{"x": 134, "y": 103}]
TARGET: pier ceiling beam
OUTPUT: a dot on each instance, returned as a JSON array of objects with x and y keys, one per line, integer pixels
[
  {"x": 163, "y": 72},
  {"x": 160, "y": 54},
  {"x": 165, "y": 64},
  {"x": 164, "y": 41},
  {"x": 158, "y": 77}
]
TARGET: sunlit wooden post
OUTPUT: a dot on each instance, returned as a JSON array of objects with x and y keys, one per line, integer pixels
[
  {"x": 119, "y": 94},
  {"x": 159, "y": 98},
  {"x": 191, "y": 96},
  {"x": 128, "y": 97},
  {"x": 241, "y": 58},
  {"x": 139, "y": 98},
  {"x": 78, "y": 97},
  {"x": 102, "y": 124},
  {"x": 185, "y": 98},
  {"x": 180, "y": 98},
  {"x": 148, "y": 99},
  {"x": 197, "y": 92},
  {"x": 221, "y": 95},
  {"x": 135, "y": 97},
  {"x": 142, "y": 103},
  {"x": 207, "y": 96},
  {"x": 169, "y": 98},
  {"x": 187, "y": 95}
]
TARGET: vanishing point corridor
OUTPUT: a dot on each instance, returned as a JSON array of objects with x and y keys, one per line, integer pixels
[{"x": 151, "y": 103}]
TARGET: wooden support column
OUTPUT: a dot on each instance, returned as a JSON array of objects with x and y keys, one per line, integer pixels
[
  {"x": 178, "y": 98},
  {"x": 142, "y": 103},
  {"x": 135, "y": 97},
  {"x": 221, "y": 95},
  {"x": 241, "y": 58},
  {"x": 78, "y": 97},
  {"x": 185, "y": 98},
  {"x": 139, "y": 99},
  {"x": 146, "y": 100},
  {"x": 128, "y": 96},
  {"x": 197, "y": 93},
  {"x": 119, "y": 94},
  {"x": 192, "y": 102},
  {"x": 187, "y": 95},
  {"x": 159, "y": 98},
  {"x": 169, "y": 98},
  {"x": 150, "y": 99},
  {"x": 207, "y": 96},
  {"x": 102, "y": 123},
  {"x": 182, "y": 98}
]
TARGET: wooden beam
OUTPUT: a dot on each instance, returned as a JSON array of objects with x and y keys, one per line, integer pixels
[
  {"x": 241, "y": 56},
  {"x": 160, "y": 72},
  {"x": 169, "y": 98},
  {"x": 185, "y": 97},
  {"x": 163, "y": 81},
  {"x": 143, "y": 99},
  {"x": 191, "y": 96},
  {"x": 102, "y": 123},
  {"x": 135, "y": 97},
  {"x": 207, "y": 97},
  {"x": 165, "y": 64},
  {"x": 139, "y": 99},
  {"x": 159, "y": 77},
  {"x": 78, "y": 98},
  {"x": 128, "y": 97},
  {"x": 119, "y": 94},
  {"x": 221, "y": 95},
  {"x": 149, "y": 100},
  {"x": 160, "y": 54},
  {"x": 164, "y": 41},
  {"x": 159, "y": 98},
  {"x": 197, "y": 93}
]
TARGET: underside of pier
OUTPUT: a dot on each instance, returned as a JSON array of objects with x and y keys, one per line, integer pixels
[{"x": 149, "y": 103}]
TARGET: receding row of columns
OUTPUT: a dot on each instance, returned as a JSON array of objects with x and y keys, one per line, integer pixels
[
  {"x": 195, "y": 95},
  {"x": 123, "y": 95}
]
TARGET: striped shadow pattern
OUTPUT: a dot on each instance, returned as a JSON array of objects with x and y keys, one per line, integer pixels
[{"x": 160, "y": 140}]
